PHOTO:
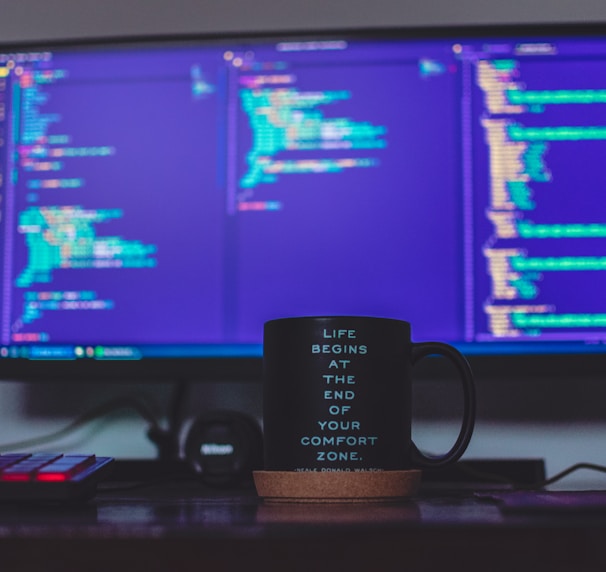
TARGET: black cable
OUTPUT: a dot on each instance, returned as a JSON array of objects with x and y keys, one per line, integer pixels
[
  {"x": 562, "y": 474},
  {"x": 176, "y": 407},
  {"x": 497, "y": 479},
  {"x": 124, "y": 402},
  {"x": 167, "y": 440}
]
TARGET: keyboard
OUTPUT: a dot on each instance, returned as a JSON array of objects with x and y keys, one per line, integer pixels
[{"x": 51, "y": 476}]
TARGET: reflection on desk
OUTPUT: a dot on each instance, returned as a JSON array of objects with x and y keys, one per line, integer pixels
[{"x": 186, "y": 526}]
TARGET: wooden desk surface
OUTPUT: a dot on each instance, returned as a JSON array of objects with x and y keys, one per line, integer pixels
[{"x": 186, "y": 526}]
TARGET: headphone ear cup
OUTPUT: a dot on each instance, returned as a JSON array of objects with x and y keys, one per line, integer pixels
[{"x": 224, "y": 447}]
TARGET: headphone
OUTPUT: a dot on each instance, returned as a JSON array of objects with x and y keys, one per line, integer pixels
[{"x": 224, "y": 447}]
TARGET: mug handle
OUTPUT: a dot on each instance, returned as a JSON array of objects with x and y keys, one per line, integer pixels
[{"x": 424, "y": 349}]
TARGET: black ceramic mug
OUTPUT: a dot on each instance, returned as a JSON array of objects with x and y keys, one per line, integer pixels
[{"x": 337, "y": 395}]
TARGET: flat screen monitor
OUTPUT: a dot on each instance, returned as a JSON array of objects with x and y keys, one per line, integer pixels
[{"x": 161, "y": 198}]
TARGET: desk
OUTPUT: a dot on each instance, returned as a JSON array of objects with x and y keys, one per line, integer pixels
[{"x": 186, "y": 526}]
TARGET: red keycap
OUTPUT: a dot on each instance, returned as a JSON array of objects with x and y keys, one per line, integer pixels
[
  {"x": 65, "y": 468},
  {"x": 27, "y": 469}
]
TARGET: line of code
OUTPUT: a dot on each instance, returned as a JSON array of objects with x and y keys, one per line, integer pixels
[
  {"x": 299, "y": 131},
  {"x": 58, "y": 235},
  {"x": 544, "y": 131}
]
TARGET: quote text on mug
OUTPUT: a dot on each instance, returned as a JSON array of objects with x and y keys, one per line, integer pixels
[{"x": 340, "y": 438}]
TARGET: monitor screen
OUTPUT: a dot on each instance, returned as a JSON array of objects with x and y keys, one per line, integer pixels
[{"x": 160, "y": 199}]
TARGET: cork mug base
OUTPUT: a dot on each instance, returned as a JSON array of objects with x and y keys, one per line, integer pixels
[{"x": 336, "y": 486}]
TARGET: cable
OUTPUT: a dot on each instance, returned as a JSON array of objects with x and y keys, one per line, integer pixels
[
  {"x": 128, "y": 402},
  {"x": 562, "y": 474},
  {"x": 167, "y": 440},
  {"x": 488, "y": 477}
]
